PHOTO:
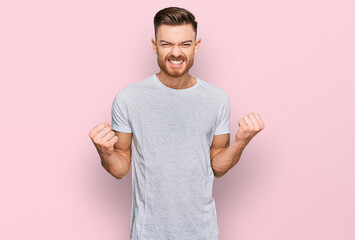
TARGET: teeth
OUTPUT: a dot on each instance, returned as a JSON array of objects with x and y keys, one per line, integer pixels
[{"x": 176, "y": 62}]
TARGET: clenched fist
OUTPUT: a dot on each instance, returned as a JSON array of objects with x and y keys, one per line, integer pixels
[
  {"x": 104, "y": 138},
  {"x": 249, "y": 125}
]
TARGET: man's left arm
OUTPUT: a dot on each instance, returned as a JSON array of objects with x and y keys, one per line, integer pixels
[{"x": 224, "y": 155}]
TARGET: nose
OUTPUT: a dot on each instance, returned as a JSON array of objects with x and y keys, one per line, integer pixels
[{"x": 176, "y": 51}]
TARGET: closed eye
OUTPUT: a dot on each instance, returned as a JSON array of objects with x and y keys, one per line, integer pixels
[{"x": 166, "y": 44}]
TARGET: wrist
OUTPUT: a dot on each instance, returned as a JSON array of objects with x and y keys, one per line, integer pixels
[{"x": 239, "y": 144}]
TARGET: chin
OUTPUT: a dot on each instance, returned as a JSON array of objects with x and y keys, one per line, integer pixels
[
  {"x": 174, "y": 74},
  {"x": 177, "y": 73}
]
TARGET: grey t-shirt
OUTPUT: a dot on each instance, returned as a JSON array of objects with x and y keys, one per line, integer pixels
[{"x": 172, "y": 176}]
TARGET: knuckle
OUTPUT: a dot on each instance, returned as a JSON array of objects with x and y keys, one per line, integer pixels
[
  {"x": 99, "y": 142},
  {"x": 95, "y": 139}
]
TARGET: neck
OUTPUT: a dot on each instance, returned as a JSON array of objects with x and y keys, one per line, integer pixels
[{"x": 181, "y": 82}]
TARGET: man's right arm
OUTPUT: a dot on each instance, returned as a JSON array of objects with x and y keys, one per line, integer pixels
[
  {"x": 119, "y": 162},
  {"x": 114, "y": 149}
]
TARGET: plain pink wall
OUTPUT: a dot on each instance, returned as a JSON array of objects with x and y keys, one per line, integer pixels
[{"x": 293, "y": 62}]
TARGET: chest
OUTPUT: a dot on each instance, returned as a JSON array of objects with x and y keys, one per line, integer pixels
[{"x": 174, "y": 117}]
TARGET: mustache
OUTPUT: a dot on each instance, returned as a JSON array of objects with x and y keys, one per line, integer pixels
[{"x": 176, "y": 59}]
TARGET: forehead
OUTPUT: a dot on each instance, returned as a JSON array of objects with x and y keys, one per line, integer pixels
[{"x": 175, "y": 32}]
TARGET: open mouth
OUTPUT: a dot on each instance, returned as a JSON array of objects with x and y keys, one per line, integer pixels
[{"x": 176, "y": 63}]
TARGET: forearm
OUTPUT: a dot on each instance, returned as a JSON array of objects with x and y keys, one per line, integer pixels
[
  {"x": 223, "y": 161},
  {"x": 117, "y": 164}
]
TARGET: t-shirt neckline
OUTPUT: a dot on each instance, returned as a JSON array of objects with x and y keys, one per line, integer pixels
[{"x": 162, "y": 85}]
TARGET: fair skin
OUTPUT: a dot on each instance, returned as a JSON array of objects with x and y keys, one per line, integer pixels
[
  {"x": 174, "y": 43},
  {"x": 225, "y": 156},
  {"x": 114, "y": 149}
]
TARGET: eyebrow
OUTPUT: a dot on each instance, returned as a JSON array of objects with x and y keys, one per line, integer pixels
[{"x": 170, "y": 42}]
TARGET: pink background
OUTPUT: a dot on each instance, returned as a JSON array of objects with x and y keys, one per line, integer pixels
[{"x": 293, "y": 62}]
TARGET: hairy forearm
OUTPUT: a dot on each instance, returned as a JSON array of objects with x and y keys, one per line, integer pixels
[
  {"x": 117, "y": 164},
  {"x": 224, "y": 160}
]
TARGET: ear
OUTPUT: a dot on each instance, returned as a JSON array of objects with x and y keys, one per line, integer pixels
[
  {"x": 197, "y": 45},
  {"x": 154, "y": 46}
]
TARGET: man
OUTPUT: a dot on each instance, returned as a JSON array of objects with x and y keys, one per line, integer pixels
[{"x": 178, "y": 125}]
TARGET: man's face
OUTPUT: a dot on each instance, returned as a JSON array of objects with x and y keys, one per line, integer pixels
[{"x": 175, "y": 43}]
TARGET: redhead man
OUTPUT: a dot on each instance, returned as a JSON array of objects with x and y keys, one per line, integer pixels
[{"x": 173, "y": 128}]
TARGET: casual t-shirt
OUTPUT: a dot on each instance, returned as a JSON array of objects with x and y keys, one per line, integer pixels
[{"x": 172, "y": 176}]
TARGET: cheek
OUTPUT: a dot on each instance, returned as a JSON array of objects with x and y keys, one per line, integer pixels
[
  {"x": 190, "y": 57},
  {"x": 161, "y": 57},
  {"x": 189, "y": 53},
  {"x": 162, "y": 54}
]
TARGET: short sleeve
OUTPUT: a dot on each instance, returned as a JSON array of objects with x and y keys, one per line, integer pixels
[
  {"x": 222, "y": 126},
  {"x": 119, "y": 113}
]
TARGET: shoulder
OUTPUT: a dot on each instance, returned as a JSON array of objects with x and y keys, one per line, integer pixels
[
  {"x": 134, "y": 89},
  {"x": 213, "y": 91}
]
